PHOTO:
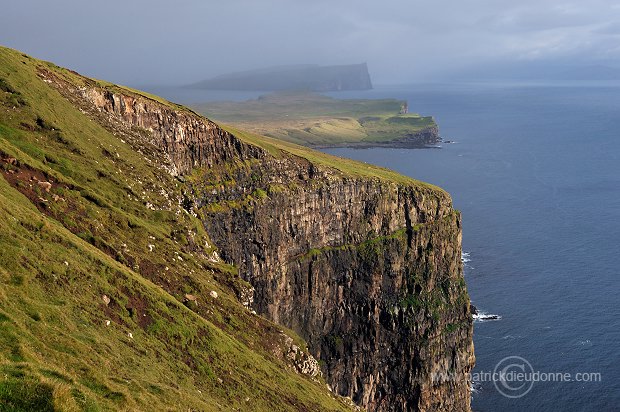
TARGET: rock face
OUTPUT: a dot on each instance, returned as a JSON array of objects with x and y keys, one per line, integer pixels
[
  {"x": 368, "y": 271},
  {"x": 428, "y": 137},
  {"x": 423, "y": 138},
  {"x": 189, "y": 140}
]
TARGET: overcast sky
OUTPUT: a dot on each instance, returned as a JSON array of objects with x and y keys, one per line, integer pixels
[{"x": 141, "y": 42}]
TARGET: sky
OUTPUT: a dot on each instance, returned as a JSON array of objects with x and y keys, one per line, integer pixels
[{"x": 147, "y": 42}]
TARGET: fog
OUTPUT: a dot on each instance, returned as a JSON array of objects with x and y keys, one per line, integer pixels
[{"x": 142, "y": 42}]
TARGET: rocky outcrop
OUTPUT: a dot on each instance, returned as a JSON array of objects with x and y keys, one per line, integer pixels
[
  {"x": 189, "y": 141},
  {"x": 368, "y": 271},
  {"x": 423, "y": 138},
  {"x": 302, "y": 361},
  {"x": 186, "y": 139}
]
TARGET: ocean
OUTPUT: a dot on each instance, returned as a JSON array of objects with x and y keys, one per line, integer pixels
[{"x": 535, "y": 171}]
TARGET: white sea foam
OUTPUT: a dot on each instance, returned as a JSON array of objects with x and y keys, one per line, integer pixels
[
  {"x": 465, "y": 257},
  {"x": 484, "y": 317}
]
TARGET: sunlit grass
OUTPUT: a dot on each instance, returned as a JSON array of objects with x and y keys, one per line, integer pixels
[{"x": 315, "y": 120}]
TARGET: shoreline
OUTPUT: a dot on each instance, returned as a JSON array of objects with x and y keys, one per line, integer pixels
[
  {"x": 371, "y": 145},
  {"x": 425, "y": 139}
]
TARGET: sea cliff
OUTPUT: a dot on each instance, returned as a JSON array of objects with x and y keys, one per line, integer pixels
[{"x": 368, "y": 271}]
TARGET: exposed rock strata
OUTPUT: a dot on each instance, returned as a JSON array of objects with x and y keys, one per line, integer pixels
[
  {"x": 425, "y": 138},
  {"x": 367, "y": 271}
]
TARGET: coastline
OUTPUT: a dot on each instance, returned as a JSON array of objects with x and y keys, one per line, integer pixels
[
  {"x": 425, "y": 139},
  {"x": 320, "y": 121}
]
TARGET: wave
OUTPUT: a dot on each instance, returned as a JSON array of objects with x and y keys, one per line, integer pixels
[
  {"x": 484, "y": 317},
  {"x": 465, "y": 257}
]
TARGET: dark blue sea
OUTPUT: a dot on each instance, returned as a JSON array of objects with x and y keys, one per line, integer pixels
[
  {"x": 535, "y": 171},
  {"x": 536, "y": 174}
]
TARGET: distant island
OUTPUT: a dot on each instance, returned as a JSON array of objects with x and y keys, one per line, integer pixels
[
  {"x": 307, "y": 77},
  {"x": 315, "y": 120}
]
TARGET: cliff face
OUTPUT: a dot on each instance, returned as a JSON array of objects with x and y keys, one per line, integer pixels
[
  {"x": 189, "y": 141},
  {"x": 427, "y": 137},
  {"x": 366, "y": 270}
]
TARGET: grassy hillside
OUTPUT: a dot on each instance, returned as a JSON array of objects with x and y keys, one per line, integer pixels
[
  {"x": 111, "y": 295},
  {"x": 317, "y": 120}
]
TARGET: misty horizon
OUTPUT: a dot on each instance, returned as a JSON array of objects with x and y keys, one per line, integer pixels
[{"x": 401, "y": 44}]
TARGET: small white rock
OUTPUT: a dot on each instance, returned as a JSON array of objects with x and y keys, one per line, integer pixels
[
  {"x": 66, "y": 263},
  {"x": 130, "y": 335},
  {"x": 107, "y": 323},
  {"x": 213, "y": 294}
]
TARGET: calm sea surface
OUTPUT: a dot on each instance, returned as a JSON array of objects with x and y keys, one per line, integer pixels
[{"x": 536, "y": 174}]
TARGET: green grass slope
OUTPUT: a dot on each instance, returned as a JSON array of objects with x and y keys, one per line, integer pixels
[
  {"x": 316, "y": 120},
  {"x": 106, "y": 282}
]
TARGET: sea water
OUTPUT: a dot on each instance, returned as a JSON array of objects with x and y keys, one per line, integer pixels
[{"x": 535, "y": 171}]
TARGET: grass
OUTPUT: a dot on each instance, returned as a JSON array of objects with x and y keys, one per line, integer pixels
[
  {"x": 93, "y": 234},
  {"x": 316, "y": 120},
  {"x": 371, "y": 248}
]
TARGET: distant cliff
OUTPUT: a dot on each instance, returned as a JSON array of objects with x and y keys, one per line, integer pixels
[
  {"x": 316, "y": 120},
  {"x": 300, "y": 77}
]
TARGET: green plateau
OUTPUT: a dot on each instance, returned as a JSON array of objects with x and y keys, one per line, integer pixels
[{"x": 313, "y": 119}]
